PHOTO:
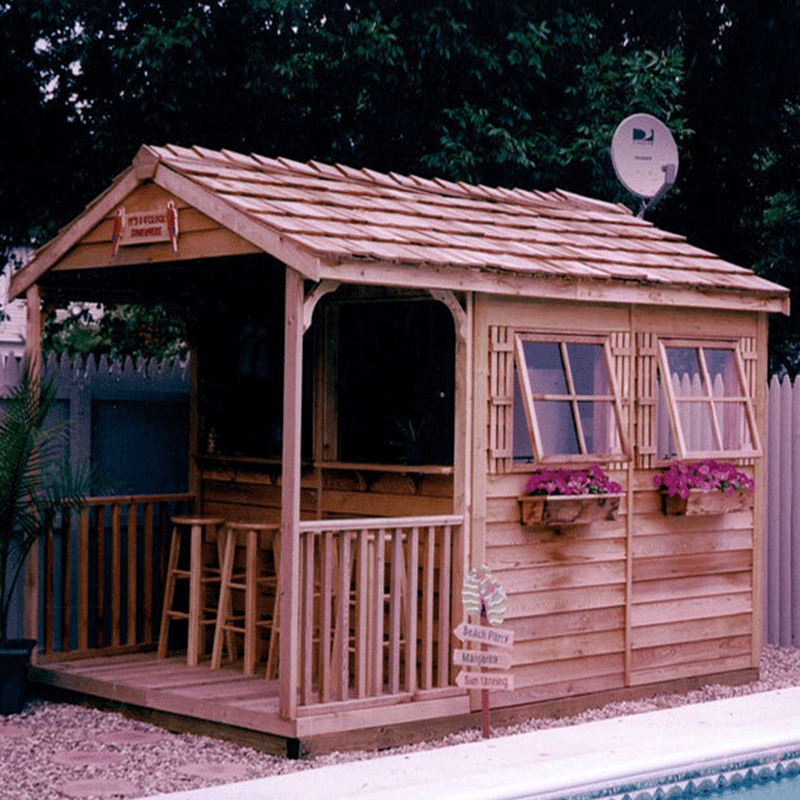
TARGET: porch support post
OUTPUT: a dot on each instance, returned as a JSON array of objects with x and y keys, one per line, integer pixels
[
  {"x": 33, "y": 356},
  {"x": 290, "y": 494}
]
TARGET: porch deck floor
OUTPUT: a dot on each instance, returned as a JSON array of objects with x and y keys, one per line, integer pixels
[{"x": 141, "y": 680}]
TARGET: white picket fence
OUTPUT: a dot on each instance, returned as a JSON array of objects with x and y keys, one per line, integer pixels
[{"x": 782, "y": 618}]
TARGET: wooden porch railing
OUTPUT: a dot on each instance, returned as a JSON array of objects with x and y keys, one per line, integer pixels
[
  {"x": 101, "y": 576},
  {"x": 375, "y": 607}
]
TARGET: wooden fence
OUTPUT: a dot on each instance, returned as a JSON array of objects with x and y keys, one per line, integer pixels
[
  {"x": 127, "y": 419},
  {"x": 782, "y": 617}
]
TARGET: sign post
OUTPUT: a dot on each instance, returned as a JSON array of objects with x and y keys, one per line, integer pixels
[{"x": 483, "y": 595}]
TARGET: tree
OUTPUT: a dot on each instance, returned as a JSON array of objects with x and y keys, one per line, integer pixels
[
  {"x": 515, "y": 94},
  {"x": 118, "y": 331}
]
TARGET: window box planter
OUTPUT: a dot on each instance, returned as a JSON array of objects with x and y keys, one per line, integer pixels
[
  {"x": 700, "y": 503},
  {"x": 575, "y": 509},
  {"x": 711, "y": 487}
]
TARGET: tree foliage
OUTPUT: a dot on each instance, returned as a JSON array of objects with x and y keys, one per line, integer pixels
[{"x": 516, "y": 94}]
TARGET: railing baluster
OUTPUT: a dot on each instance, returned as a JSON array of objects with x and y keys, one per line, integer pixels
[
  {"x": 307, "y": 617},
  {"x": 342, "y": 658},
  {"x": 116, "y": 574},
  {"x": 378, "y": 609},
  {"x": 133, "y": 594},
  {"x": 445, "y": 572},
  {"x": 395, "y": 597},
  {"x": 147, "y": 575},
  {"x": 99, "y": 576},
  {"x": 83, "y": 580},
  {"x": 362, "y": 612},
  {"x": 326, "y": 605},
  {"x": 412, "y": 608},
  {"x": 428, "y": 553}
]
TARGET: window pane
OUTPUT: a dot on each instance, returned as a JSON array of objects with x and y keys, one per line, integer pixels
[
  {"x": 697, "y": 427},
  {"x": 545, "y": 368},
  {"x": 665, "y": 441},
  {"x": 523, "y": 449},
  {"x": 721, "y": 366},
  {"x": 557, "y": 427},
  {"x": 588, "y": 365},
  {"x": 684, "y": 366},
  {"x": 599, "y": 427},
  {"x": 733, "y": 426}
]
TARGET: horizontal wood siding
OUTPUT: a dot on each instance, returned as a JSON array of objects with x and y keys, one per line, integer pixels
[
  {"x": 634, "y": 601},
  {"x": 692, "y": 591},
  {"x": 253, "y": 493},
  {"x": 566, "y": 599}
]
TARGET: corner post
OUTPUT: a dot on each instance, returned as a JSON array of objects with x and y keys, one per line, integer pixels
[
  {"x": 290, "y": 493},
  {"x": 33, "y": 356}
]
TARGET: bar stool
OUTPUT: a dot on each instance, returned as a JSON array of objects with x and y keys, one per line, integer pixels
[
  {"x": 199, "y": 575},
  {"x": 257, "y": 540}
]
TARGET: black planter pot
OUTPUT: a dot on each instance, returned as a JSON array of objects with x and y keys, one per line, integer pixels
[{"x": 15, "y": 657}]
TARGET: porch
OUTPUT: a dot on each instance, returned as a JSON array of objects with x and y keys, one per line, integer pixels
[{"x": 380, "y": 656}]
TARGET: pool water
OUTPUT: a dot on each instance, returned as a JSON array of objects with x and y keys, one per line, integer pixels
[{"x": 775, "y": 776}]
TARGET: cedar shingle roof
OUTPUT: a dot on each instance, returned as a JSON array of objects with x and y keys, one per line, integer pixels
[{"x": 338, "y": 216}]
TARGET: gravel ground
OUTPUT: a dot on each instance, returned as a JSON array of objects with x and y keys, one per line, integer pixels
[{"x": 56, "y": 750}]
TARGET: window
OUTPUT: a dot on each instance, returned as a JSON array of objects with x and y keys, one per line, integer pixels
[
  {"x": 566, "y": 403},
  {"x": 705, "y": 409}
]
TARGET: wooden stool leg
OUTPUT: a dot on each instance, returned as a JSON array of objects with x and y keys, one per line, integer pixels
[
  {"x": 251, "y": 602},
  {"x": 195, "y": 595},
  {"x": 272, "y": 653},
  {"x": 169, "y": 593},
  {"x": 223, "y": 607}
]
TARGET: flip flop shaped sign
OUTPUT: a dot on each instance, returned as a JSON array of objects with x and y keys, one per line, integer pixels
[{"x": 482, "y": 593}]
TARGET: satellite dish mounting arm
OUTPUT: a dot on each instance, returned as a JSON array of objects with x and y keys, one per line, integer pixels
[{"x": 670, "y": 171}]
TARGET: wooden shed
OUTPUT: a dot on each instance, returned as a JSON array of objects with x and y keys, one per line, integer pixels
[{"x": 379, "y": 362}]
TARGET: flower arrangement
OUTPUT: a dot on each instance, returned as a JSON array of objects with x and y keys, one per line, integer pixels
[
  {"x": 571, "y": 482},
  {"x": 707, "y": 476}
]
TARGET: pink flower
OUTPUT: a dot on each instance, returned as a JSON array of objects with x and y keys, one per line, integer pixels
[
  {"x": 707, "y": 476},
  {"x": 571, "y": 482}
]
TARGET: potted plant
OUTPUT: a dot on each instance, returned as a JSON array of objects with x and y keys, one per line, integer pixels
[
  {"x": 703, "y": 487},
  {"x": 35, "y": 485},
  {"x": 569, "y": 497}
]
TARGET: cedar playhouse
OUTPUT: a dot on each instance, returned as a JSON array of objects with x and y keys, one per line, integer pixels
[{"x": 379, "y": 362}]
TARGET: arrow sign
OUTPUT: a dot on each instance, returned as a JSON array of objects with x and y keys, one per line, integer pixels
[
  {"x": 485, "y": 680},
  {"x": 478, "y": 658},
  {"x": 498, "y": 637}
]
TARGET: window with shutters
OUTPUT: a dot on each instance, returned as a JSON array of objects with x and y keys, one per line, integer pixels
[
  {"x": 704, "y": 407},
  {"x": 566, "y": 402}
]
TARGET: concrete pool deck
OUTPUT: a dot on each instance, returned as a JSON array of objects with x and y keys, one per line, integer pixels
[{"x": 550, "y": 763}]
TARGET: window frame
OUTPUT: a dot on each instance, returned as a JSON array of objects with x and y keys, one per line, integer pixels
[
  {"x": 746, "y": 398},
  {"x": 529, "y": 398}
]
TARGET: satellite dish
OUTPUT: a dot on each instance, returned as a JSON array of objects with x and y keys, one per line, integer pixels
[{"x": 645, "y": 158}]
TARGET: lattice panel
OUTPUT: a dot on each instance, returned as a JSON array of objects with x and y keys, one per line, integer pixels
[
  {"x": 621, "y": 353},
  {"x": 501, "y": 398},
  {"x": 748, "y": 347},
  {"x": 646, "y": 393}
]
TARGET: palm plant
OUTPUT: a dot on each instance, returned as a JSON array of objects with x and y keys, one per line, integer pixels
[{"x": 36, "y": 482}]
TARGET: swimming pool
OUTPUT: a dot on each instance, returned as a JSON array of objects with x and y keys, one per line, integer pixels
[{"x": 772, "y": 776}]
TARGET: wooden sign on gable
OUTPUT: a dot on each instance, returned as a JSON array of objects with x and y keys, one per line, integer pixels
[{"x": 145, "y": 227}]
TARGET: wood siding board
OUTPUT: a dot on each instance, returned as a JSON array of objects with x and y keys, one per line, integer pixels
[
  {"x": 680, "y": 610},
  {"x": 691, "y": 630}
]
